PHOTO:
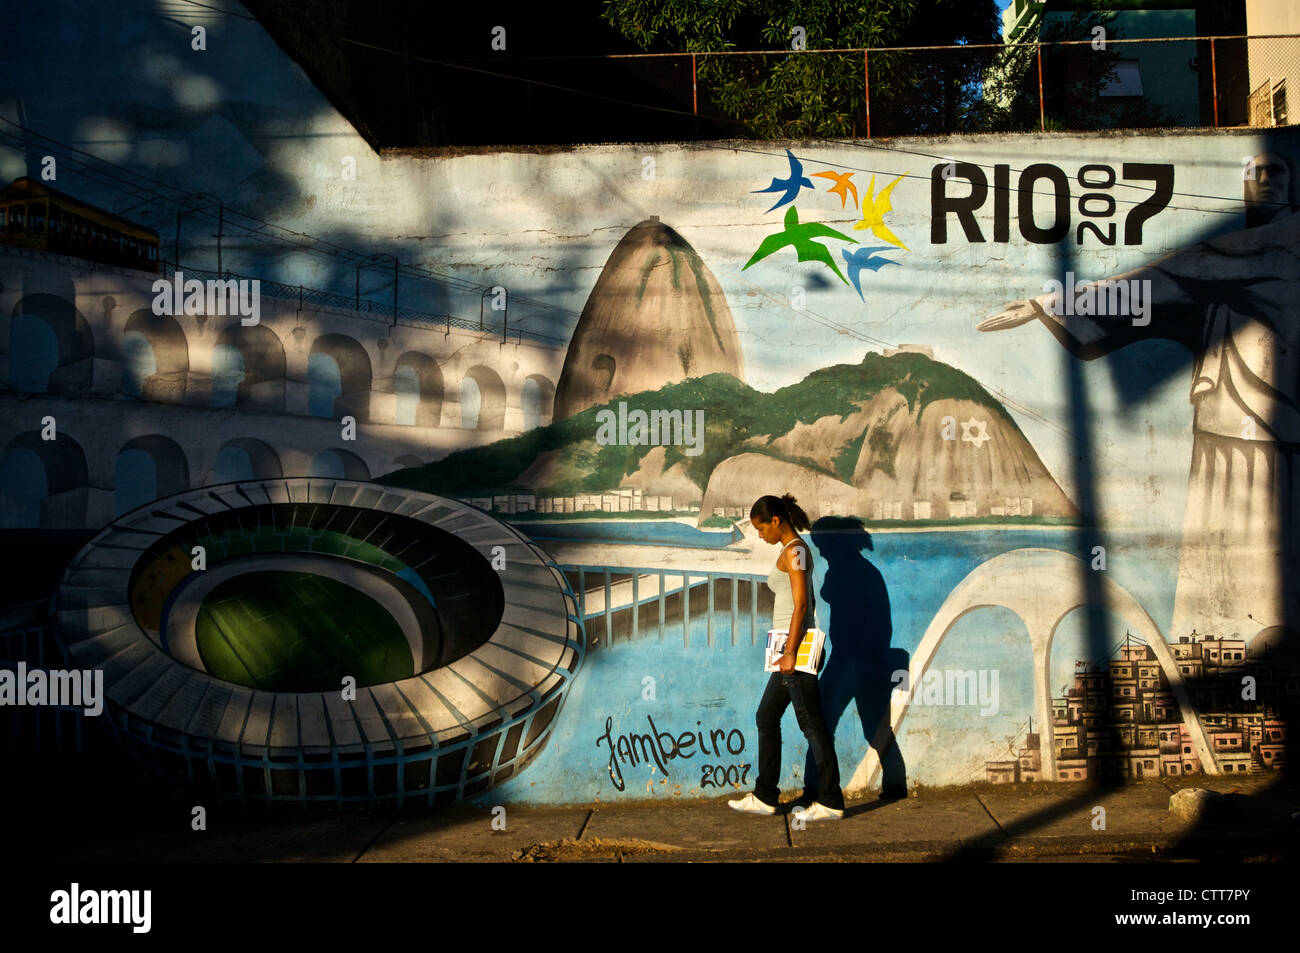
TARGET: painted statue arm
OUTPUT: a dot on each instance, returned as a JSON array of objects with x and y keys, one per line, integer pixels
[
  {"x": 1182, "y": 284},
  {"x": 1170, "y": 302}
]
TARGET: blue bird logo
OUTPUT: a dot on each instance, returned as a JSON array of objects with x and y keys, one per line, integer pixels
[
  {"x": 790, "y": 186},
  {"x": 861, "y": 258}
]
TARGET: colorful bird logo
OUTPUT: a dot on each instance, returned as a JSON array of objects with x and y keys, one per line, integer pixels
[
  {"x": 791, "y": 185},
  {"x": 842, "y": 182},
  {"x": 874, "y": 208},
  {"x": 861, "y": 258},
  {"x": 801, "y": 236}
]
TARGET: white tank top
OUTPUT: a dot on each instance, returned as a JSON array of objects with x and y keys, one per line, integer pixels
[{"x": 783, "y": 604}]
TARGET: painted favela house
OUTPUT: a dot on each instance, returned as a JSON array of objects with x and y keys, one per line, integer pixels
[{"x": 447, "y": 497}]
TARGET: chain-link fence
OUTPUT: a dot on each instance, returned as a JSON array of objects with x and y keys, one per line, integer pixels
[{"x": 1019, "y": 87}]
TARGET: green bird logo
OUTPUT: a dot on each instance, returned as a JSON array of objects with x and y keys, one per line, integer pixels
[{"x": 800, "y": 236}]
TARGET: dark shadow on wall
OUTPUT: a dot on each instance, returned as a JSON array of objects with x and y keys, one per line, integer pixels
[
  {"x": 1090, "y": 533},
  {"x": 1198, "y": 280},
  {"x": 854, "y": 609},
  {"x": 1263, "y": 823}
]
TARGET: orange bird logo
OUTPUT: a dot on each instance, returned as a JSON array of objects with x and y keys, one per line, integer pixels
[{"x": 843, "y": 182}]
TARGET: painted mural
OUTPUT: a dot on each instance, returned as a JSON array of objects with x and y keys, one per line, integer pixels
[
  {"x": 894, "y": 447},
  {"x": 1038, "y": 395}
]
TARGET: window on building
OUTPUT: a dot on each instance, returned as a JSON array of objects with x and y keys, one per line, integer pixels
[{"x": 1124, "y": 80}]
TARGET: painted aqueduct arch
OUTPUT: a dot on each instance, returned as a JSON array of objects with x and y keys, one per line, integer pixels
[
  {"x": 1042, "y": 587},
  {"x": 157, "y": 357},
  {"x": 248, "y": 369},
  {"x": 148, "y": 468},
  {"x": 71, "y": 333},
  {"x": 52, "y": 348},
  {"x": 43, "y": 482}
]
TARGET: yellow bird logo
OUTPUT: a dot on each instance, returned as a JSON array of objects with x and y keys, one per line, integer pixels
[{"x": 874, "y": 209}]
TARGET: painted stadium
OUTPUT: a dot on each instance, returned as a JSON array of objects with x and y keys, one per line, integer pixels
[{"x": 460, "y": 637}]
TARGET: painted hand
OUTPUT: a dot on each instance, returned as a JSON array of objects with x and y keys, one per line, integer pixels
[{"x": 1012, "y": 315}]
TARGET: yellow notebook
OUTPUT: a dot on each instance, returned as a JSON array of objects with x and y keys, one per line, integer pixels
[{"x": 806, "y": 659}]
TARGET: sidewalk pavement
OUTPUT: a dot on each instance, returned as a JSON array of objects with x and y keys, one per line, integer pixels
[{"x": 1021, "y": 822}]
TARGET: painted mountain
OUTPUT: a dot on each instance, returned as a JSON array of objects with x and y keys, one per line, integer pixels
[
  {"x": 656, "y": 315},
  {"x": 898, "y": 437}
]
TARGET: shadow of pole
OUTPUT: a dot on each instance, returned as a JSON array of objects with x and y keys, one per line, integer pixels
[{"x": 1090, "y": 547}]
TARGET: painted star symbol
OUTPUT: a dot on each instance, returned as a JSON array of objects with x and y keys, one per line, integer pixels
[{"x": 976, "y": 432}]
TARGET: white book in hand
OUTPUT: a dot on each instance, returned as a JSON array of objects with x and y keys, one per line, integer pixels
[{"x": 806, "y": 659}]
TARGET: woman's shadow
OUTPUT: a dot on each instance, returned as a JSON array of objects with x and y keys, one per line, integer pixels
[{"x": 854, "y": 608}]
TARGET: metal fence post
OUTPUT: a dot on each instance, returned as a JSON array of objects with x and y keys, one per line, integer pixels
[
  {"x": 1214, "y": 83},
  {"x": 695, "y": 97},
  {"x": 1042, "y": 120},
  {"x": 866, "y": 88}
]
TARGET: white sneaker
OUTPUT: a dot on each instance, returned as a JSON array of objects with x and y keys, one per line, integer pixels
[
  {"x": 818, "y": 812},
  {"x": 751, "y": 805}
]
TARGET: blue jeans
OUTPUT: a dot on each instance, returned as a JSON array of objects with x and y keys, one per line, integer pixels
[{"x": 801, "y": 689}]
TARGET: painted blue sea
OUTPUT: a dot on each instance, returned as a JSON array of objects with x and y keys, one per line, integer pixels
[
  {"x": 639, "y": 532},
  {"x": 661, "y": 719}
]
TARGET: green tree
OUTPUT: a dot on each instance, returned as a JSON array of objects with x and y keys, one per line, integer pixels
[
  {"x": 786, "y": 95},
  {"x": 1072, "y": 76}
]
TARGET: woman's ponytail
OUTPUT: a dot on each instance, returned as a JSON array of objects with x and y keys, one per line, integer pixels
[
  {"x": 797, "y": 517},
  {"x": 784, "y": 506}
]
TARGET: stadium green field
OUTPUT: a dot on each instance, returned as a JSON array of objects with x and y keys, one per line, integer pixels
[{"x": 298, "y": 632}]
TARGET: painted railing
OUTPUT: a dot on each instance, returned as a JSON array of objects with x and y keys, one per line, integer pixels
[
  {"x": 605, "y": 592},
  {"x": 25, "y": 637}
]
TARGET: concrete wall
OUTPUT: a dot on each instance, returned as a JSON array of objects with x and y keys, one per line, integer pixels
[{"x": 1174, "y": 437}]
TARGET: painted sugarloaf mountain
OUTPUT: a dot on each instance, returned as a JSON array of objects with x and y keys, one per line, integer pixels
[{"x": 655, "y": 316}]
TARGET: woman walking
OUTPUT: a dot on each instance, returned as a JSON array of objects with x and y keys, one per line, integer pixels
[{"x": 777, "y": 519}]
